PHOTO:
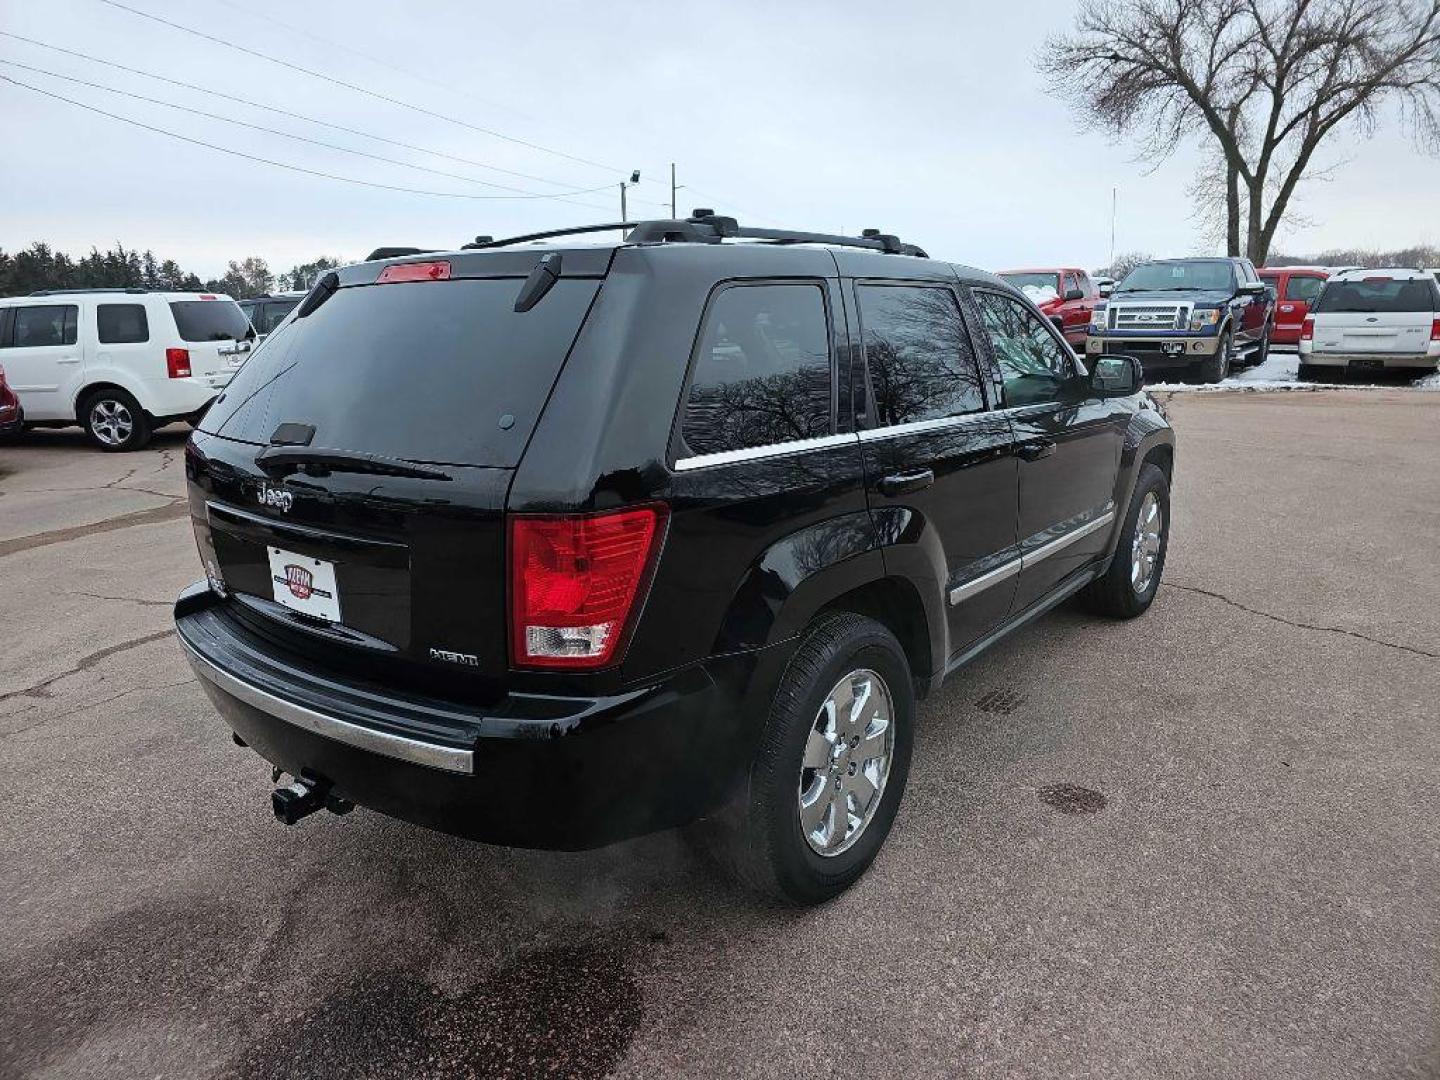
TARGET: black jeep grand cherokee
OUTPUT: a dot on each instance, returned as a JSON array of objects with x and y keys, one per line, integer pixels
[{"x": 551, "y": 545}]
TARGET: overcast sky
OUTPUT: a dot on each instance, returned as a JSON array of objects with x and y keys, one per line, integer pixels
[{"x": 925, "y": 119}]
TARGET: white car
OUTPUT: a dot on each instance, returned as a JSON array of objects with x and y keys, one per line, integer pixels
[
  {"x": 1371, "y": 319},
  {"x": 120, "y": 362}
]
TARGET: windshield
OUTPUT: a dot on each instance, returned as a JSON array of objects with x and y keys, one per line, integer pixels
[
  {"x": 1175, "y": 276},
  {"x": 210, "y": 320},
  {"x": 445, "y": 372},
  {"x": 1377, "y": 295}
]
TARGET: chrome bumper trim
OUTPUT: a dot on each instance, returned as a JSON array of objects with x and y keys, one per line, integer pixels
[{"x": 416, "y": 751}]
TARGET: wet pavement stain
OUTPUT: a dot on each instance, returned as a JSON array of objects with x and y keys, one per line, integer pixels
[
  {"x": 560, "y": 1012},
  {"x": 1000, "y": 702},
  {"x": 1072, "y": 798}
]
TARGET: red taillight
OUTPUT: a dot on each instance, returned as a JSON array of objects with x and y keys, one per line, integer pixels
[
  {"x": 177, "y": 361},
  {"x": 574, "y": 581},
  {"x": 1307, "y": 331},
  {"x": 421, "y": 271},
  {"x": 208, "y": 296},
  {"x": 1434, "y": 336}
]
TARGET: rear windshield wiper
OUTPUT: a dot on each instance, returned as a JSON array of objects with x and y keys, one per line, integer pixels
[{"x": 280, "y": 460}]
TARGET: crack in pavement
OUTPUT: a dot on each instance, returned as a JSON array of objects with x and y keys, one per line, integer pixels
[
  {"x": 170, "y": 512},
  {"x": 1303, "y": 625},
  {"x": 88, "y": 706},
  {"x": 85, "y": 663},
  {"x": 127, "y": 599}
]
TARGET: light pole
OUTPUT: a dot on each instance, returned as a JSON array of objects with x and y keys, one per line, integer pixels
[{"x": 634, "y": 179}]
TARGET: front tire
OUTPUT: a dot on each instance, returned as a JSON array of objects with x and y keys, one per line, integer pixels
[
  {"x": 831, "y": 765},
  {"x": 1217, "y": 366},
  {"x": 114, "y": 421},
  {"x": 1128, "y": 587}
]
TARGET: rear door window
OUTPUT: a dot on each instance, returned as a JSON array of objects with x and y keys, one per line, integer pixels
[
  {"x": 921, "y": 363},
  {"x": 762, "y": 370},
  {"x": 1304, "y": 288},
  {"x": 273, "y": 314},
  {"x": 210, "y": 320},
  {"x": 435, "y": 371},
  {"x": 44, "y": 325},
  {"x": 122, "y": 324}
]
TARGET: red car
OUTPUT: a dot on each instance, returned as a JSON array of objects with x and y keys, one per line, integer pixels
[
  {"x": 12, "y": 417},
  {"x": 1295, "y": 289},
  {"x": 1065, "y": 294}
]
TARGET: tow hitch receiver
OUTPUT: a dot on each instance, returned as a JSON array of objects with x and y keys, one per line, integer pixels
[{"x": 304, "y": 797}]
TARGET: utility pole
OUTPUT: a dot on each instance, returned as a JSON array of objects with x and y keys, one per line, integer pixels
[
  {"x": 673, "y": 189},
  {"x": 1114, "y": 202}
]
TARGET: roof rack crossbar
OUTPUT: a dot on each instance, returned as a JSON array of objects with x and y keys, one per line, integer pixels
[
  {"x": 705, "y": 227},
  {"x": 130, "y": 291}
]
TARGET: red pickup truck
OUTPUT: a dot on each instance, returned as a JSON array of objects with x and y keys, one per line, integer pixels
[
  {"x": 1065, "y": 294},
  {"x": 1295, "y": 289}
]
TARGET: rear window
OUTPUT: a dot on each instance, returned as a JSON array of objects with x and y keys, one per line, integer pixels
[
  {"x": 122, "y": 324},
  {"x": 424, "y": 371},
  {"x": 210, "y": 320},
  {"x": 1377, "y": 295}
]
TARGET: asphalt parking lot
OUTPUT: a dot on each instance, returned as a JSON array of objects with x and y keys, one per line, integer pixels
[{"x": 1258, "y": 896}]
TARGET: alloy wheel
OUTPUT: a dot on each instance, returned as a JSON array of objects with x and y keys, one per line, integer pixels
[
  {"x": 1145, "y": 547},
  {"x": 111, "y": 421},
  {"x": 847, "y": 762}
]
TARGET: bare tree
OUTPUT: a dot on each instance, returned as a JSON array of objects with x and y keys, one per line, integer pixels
[{"x": 1267, "y": 80}]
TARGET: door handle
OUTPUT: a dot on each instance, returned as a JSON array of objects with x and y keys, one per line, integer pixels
[
  {"x": 903, "y": 483},
  {"x": 68, "y": 360},
  {"x": 1034, "y": 451}
]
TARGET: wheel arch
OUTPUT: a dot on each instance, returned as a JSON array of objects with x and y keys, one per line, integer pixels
[
  {"x": 96, "y": 384},
  {"x": 894, "y": 603}
]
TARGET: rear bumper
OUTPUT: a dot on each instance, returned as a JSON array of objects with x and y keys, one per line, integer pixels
[
  {"x": 181, "y": 397},
  {"x": 527, "y": 771},
  {"x": 1152, "y": 351},
  {"x": 1407, "y": 361}
]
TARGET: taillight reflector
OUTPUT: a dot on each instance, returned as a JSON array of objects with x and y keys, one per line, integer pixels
[
  {"x": 574, "y": 582},
  {"x": 177, "y": 362},
  {"x": 1434, "y": 333},
  {"x": 418, "y": 271},
  {"x": 1307, "y": 330}
]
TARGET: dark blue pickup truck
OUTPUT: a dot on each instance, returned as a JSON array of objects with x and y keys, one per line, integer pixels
[{"x": 1209, "y": 315}]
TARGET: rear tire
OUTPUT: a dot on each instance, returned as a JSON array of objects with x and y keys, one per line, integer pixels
[
  {"x": 1128, "y": 587},
  {"x": 761, "y": 836},
  {"x": 114, "y": 421}
]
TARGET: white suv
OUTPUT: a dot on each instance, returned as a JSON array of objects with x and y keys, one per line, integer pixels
[
  {"x": 1370, "y": 319},
  {"x": 120, "y": 362}
]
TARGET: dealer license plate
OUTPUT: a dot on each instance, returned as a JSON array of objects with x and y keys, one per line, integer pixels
[{"x": 304, "y": 584}]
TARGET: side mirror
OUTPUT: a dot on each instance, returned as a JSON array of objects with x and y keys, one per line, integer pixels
[
  {"x": 1074, "y": 294},
  {"x": 1253, "y": 288},
  {"x": 1059, "y": 323},
  {"x": 1107, "y": 289},
  {"x": 1116, "y": 376}
]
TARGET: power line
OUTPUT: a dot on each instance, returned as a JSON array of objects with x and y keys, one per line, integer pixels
[
  {"x": 278, "y": 164},
  {"x": 232, "y": 46},
  {"x": 282, "y": 112},
  {"x": 300, "y": 138},
  {"x": 332, "y": 43}
]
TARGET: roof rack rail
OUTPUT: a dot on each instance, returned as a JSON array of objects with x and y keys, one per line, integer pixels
[
  {"x": 706, "y": 227},
  {"x": 68, "y": 292}
]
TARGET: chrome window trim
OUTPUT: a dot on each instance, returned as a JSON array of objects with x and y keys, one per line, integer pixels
[
  {"x": 419, "y": 752},
  {"x": 1008, "y": 570},
  {"x": 755, "y": 453},
  {"x": 935, "y": 424}
]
